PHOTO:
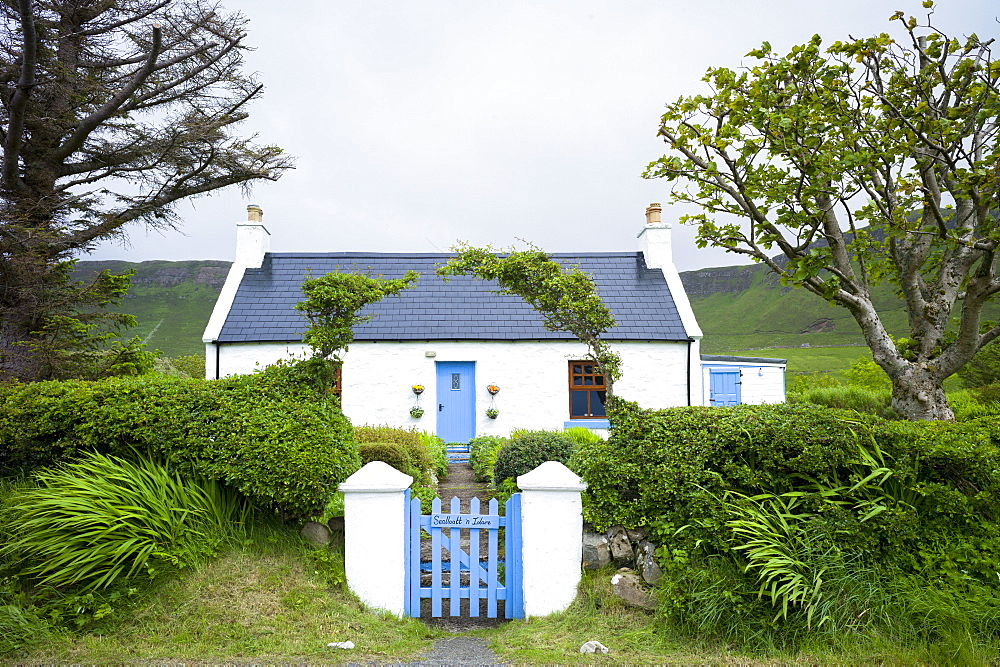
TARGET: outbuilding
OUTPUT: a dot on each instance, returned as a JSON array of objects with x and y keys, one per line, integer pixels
[{"x": 729, "y": 380}]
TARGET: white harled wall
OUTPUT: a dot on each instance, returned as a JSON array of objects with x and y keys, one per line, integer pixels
[{"x": 532, "y": 376}]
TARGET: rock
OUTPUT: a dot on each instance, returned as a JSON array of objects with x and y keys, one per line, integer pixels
[
  {"x": 315, "y": 533},
  {"x": 636, "y": 535},
  {"x": 336, "y": 524},
  {"x": 646, "y": 562},
  {"x": 596, "y": 553},
  {"x": 621, "y": 547},
  {"x": 630, "y": 588},
  {"x": 346, "y": 645},
  {"x": 593, "y": 647}
]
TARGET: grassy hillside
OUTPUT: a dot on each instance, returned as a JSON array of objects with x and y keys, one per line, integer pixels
[
  {"x": 171, "y": 300},
  {"x": 745, "y": 308}
]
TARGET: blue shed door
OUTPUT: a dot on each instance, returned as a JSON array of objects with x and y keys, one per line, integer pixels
[
  {"x": 724, "y": 386},
  {"x": 456, "y": 400}
]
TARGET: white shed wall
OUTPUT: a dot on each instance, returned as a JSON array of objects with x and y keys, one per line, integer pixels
[
  {"x": 761, "y": 383},
  {"x": 532, "y": 376}
]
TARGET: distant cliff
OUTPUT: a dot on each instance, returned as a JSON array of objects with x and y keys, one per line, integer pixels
[{"x": 171, "y": 300}]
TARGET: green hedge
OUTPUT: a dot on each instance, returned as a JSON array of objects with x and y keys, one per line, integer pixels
[
  {"x": 529, "y": 449},
  {"x": 388, "y": 452},
  {"x": 269, "y": 435},
  {"x": 675, "y": 471},
  {"x": 424, "y": 453},
  {"x": 656, "y": 462}
]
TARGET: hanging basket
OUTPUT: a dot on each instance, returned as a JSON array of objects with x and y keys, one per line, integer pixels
[
  {"x": 493, "y": 389},
  {"x": 416, "y": 412},
  {"x": 492, "y": 413},
  {"x": 417, "y": 389}
]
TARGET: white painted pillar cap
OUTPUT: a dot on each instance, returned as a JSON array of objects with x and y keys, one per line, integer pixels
[
  {"x": 376, "y": 477},
  {"x": 551, "y": 476}
]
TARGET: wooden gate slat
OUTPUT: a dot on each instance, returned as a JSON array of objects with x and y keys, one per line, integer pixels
[
  {"x": 491, "y": 567},
  {"x": 436, "y": 593},
  {"x": 454, "y": 555},
  {"x": 474, "y": 568}
]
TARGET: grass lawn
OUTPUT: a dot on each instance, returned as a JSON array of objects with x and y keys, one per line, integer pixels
[
  {"x": 273, "y": 607},
  {"x": 834, "y": 360}
]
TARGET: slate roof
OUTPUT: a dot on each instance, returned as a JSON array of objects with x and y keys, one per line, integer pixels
[
  {"x": 742, "y": 360},
  {"x": 462, "y": 309}
]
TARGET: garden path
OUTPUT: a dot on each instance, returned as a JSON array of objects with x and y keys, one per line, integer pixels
[{"x": 461, "y": 483}]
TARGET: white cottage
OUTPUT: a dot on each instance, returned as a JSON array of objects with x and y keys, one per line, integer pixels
[{"x": 459, "y": 338}]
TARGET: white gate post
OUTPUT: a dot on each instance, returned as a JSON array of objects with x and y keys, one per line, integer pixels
[
  {"x": 551, "y": 537},
  {"x": 375, "y": 535}
]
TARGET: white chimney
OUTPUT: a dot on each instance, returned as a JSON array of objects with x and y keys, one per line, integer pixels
[
  {"x": 252, "y": 239},
  {"x": 252, "y": 243},
  {"x": 654, "y": 239},
  {"x": 655, "y": 245}
]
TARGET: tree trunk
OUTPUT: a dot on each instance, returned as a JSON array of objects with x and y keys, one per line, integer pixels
[
  {"x": 17, "y": 361},
  {"x": 919, "y": 395}
]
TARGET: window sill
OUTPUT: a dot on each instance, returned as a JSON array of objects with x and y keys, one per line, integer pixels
[{"x": 588, "y": 423}]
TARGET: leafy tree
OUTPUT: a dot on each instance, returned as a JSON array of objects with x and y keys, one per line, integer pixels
[
  {"x": 567, "y": 300},
  {"x": 874, "y": 160},
  {"x": 332, "y": 303},
  {"x": 110, "y": 112}
]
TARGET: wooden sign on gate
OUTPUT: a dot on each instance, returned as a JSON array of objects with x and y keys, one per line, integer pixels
[{"x": 465, "y": 521}]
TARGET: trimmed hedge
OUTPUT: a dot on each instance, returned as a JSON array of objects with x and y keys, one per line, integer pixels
[
  {"x": 656, "y": 462},
  {"x": 673, "y": 471},
  {"x": 529, "y": 449},
  {"x": 422, "y": 452},
  {"x": 388, "y": 452},
  {"x": 269, "y": 435}
]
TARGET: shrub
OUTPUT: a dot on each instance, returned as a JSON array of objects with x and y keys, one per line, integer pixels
[
  {"x": 483, "y": 455},
  {"x": 422, "y": 458},
  {"x": 270, "y": 435},
  {"x": 391, "y": 453},
  {"x": 778, "y": 520},
  {"x": 664, "y": 465},
  {"x": 528, "y": 450},
  {"x": 102, "y": 520},
  {"x": 385, "y": 433},
  {"x": 867, "y": 374}
]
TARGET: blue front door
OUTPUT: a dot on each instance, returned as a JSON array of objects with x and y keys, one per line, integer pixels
[
  {"x": 456, "y": 400},
  {"x": 724, "y": 386}
]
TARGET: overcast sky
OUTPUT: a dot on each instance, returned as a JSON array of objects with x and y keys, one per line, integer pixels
[{"x": 418, "y": 123}]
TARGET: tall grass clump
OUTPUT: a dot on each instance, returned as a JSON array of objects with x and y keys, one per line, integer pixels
[
  {"x": 582, "y": 435},
  {"x": 850, "y": 397},
  {"x": 102, "y": 520},
  {"x": 438, "y": 451},
  {"x": 483, "y": 452}
]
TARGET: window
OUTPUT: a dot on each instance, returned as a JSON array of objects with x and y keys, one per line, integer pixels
[
  {"x": 338, "y": 382},
  {"x": 586, "y": 391}
]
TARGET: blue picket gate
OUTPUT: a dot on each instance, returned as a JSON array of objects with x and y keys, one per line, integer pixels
[{"x": 479, "y": 574}]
